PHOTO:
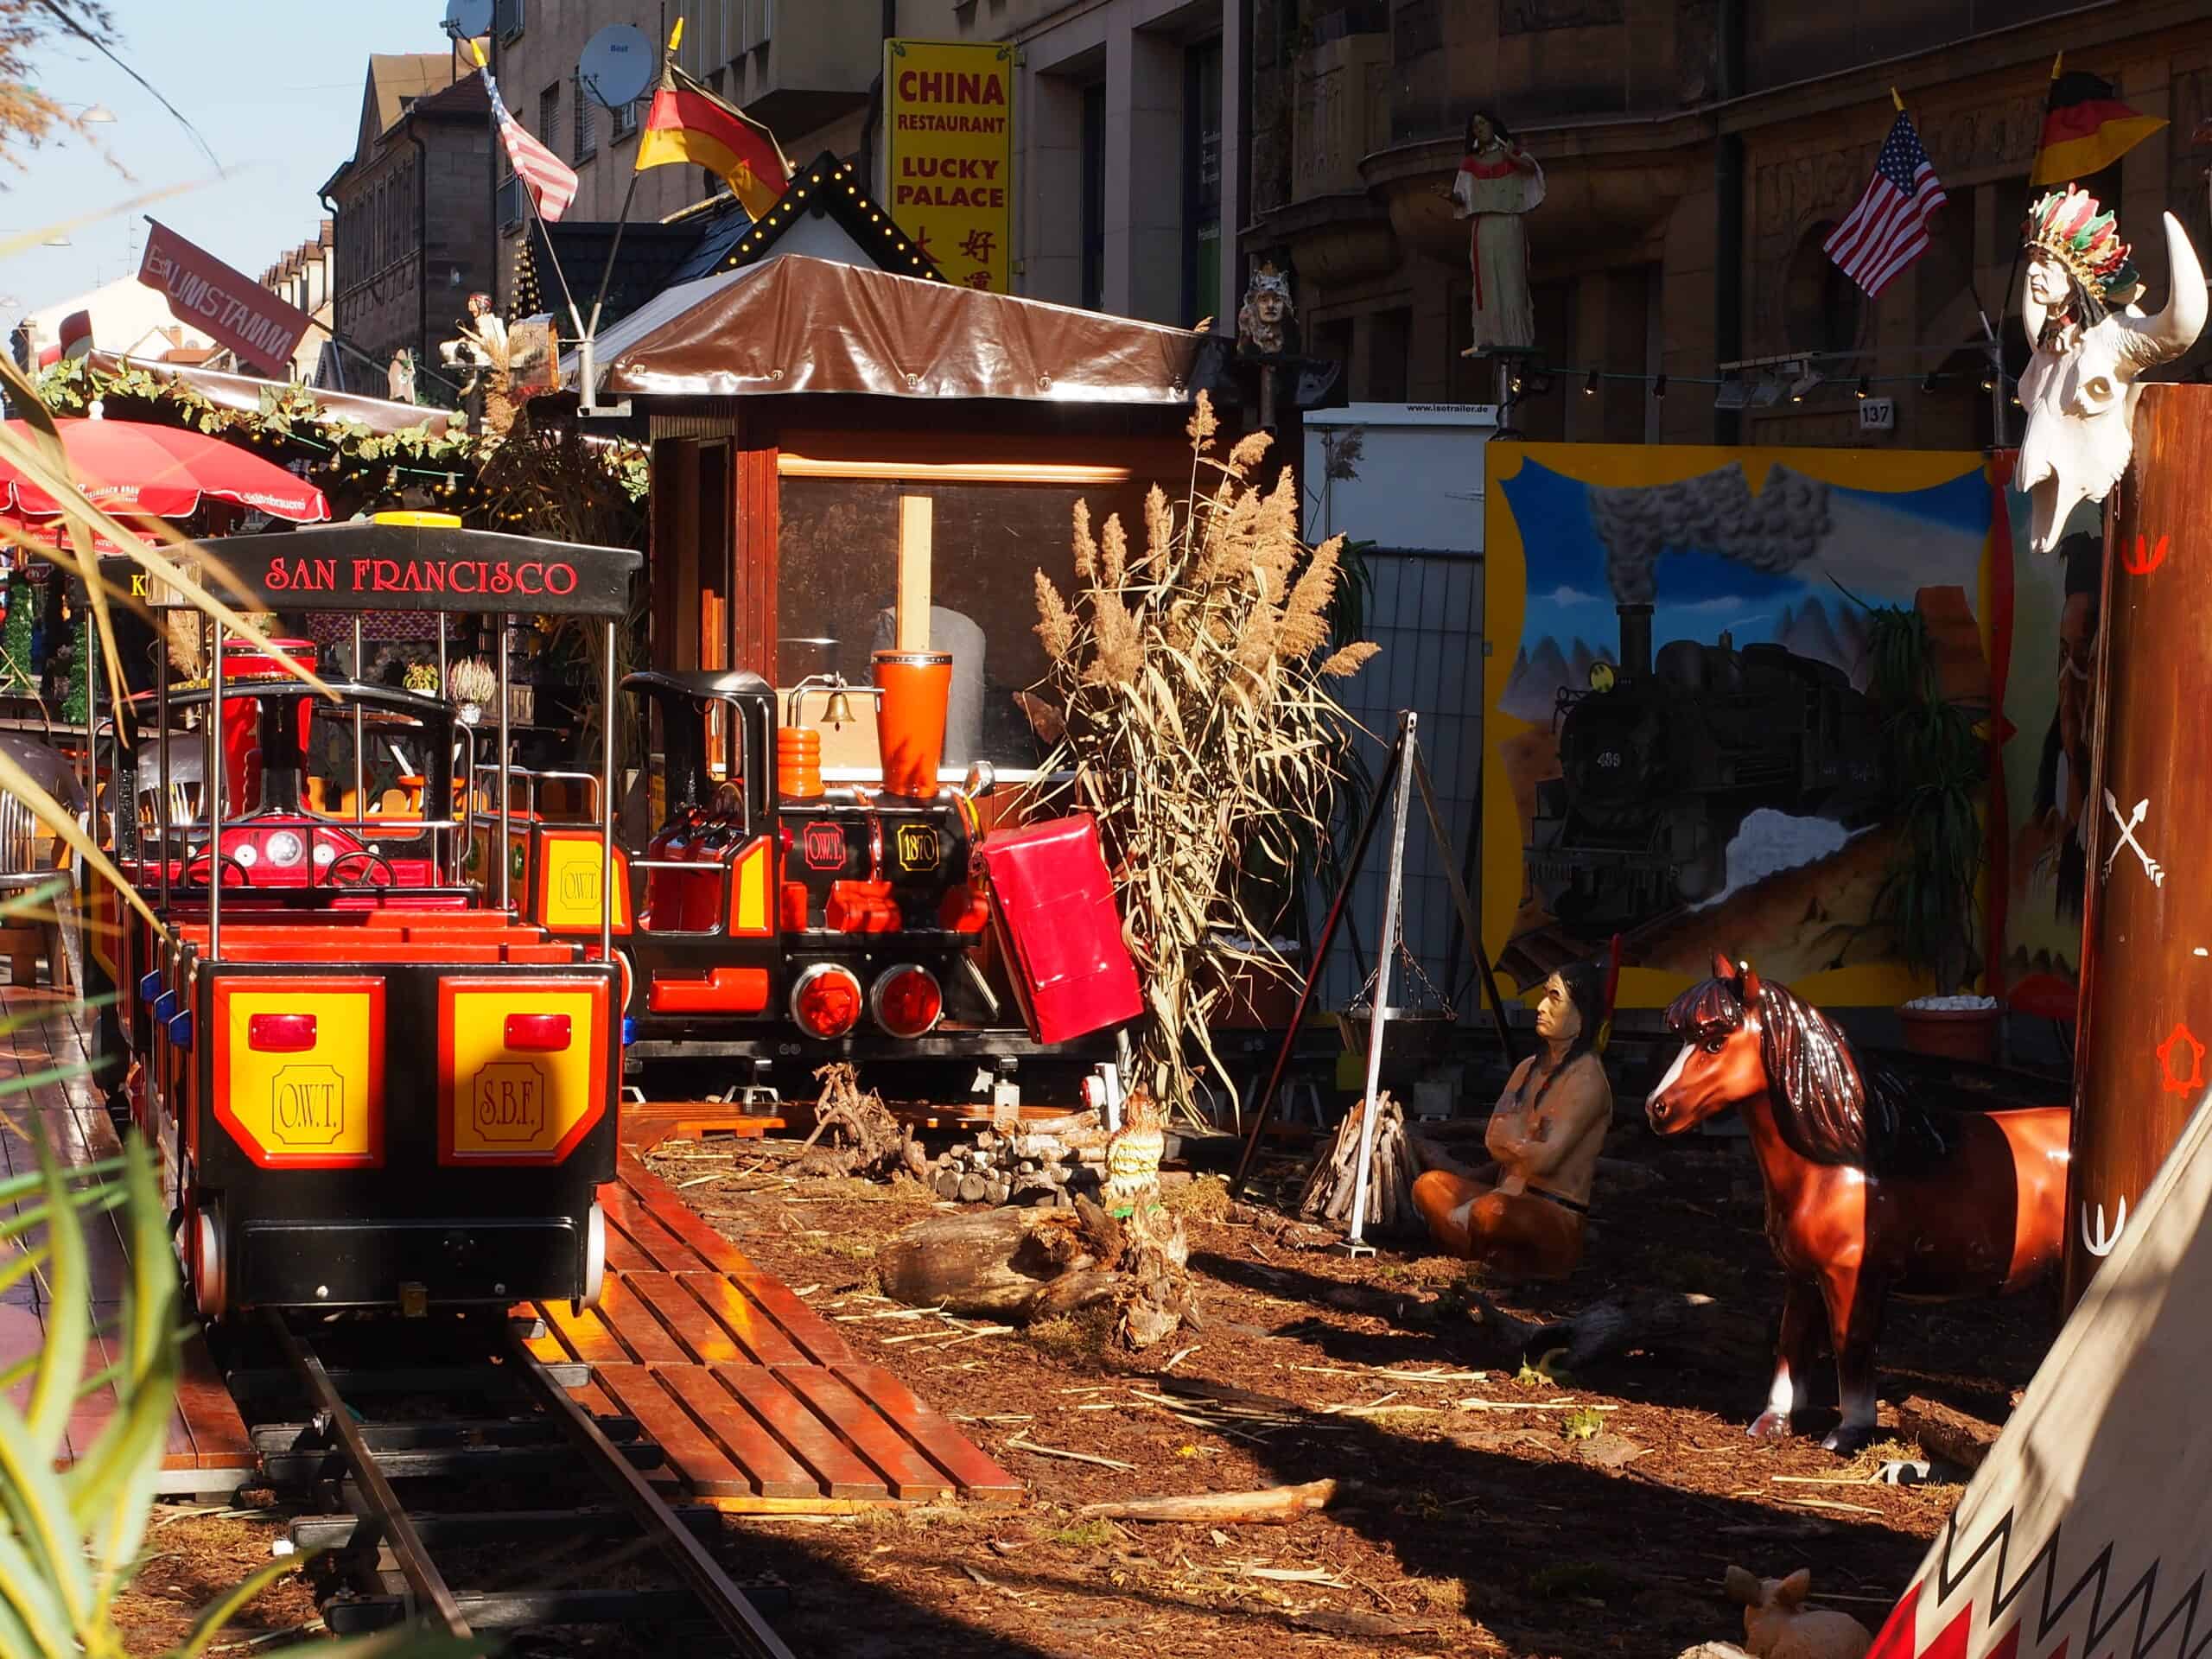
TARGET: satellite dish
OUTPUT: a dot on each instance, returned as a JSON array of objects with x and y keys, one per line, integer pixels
[
  {"x": 469, "y": 19},
  {"x": 618, "y": 64}
]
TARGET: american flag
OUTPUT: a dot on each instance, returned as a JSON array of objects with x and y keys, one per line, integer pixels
[
  {"x": 1888, "y": 230},
  {"x": 551, "y": 182}
]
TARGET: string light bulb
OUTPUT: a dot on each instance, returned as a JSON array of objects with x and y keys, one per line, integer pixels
[
  {"x": 1659, "y": 387},
  {"x": 1589, "y": 386},
  {"x": 1863, "y": 384}
]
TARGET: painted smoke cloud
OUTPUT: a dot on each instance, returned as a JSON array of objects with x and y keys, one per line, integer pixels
[{"x": 1774, "y": 530}]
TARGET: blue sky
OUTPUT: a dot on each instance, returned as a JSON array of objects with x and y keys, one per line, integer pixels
[
  {"x": 1933, "y": 535},
  {"x": 274, "y": 88}
]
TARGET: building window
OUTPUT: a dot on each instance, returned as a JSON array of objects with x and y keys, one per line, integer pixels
[
  {"x": 507, "y": 18},
  {"x": 831, "y": 528},
  {"x": 1389, "y": 347},
  {"x": 549, "y": 115},
  {"x": 1094, "y": 196},
  {"x": 587, "y": 124},
  {"x": 1820, "y": 305},
  {"x": 626, "y": 120},
  {"x": 511, "y": 202},
  {"x": 1202, "y": 180}
]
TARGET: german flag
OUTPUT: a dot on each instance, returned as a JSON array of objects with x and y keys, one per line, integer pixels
[
  {"x": 2086, "y": 129},
  {"x": 688, "y": 123}
]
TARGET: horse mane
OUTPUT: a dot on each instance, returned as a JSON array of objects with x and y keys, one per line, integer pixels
[{"x": 1831, "y": 1106}]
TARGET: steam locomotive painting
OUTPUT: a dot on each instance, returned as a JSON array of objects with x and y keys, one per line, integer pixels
[
  {"x": 1661, "y": 759},
  {"x": 1685, "y": 736}
]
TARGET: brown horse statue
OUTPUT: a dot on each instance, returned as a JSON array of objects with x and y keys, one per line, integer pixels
[{"x": 1870, "y": 1193}]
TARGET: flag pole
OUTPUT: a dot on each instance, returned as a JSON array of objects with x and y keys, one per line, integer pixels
[
  {"x": 538, "y": 218},
  {"x": 588, "y": 332},
  {"x": 607, "y": 275}
]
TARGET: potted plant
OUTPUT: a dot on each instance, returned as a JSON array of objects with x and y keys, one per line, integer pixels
[
  {"x": 471, "y": 684},
  {"x": 1928, "y": 901}
]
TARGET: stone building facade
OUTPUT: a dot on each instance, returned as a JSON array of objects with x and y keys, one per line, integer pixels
[
  {"x": 1127, "y": 118},
  {"x": 413, "y": 211},
  {"x": 1697, "y": 152}
]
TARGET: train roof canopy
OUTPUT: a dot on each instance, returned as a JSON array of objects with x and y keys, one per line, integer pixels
[{"x": 369, "y": 566}]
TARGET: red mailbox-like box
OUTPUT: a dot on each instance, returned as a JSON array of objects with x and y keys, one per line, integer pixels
[{"x": 1052, "y": 911}]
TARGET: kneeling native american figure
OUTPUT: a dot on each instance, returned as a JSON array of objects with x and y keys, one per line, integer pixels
[{"x": 1523, "y": 1214}]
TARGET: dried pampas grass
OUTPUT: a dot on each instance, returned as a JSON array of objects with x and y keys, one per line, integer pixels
[{"x": 1191, "y": 680}]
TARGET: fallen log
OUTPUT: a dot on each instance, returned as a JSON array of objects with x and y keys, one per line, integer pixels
[
  {"x": 1952, "y": 1436},
  {"x": 1275, "y": 1505},
  {"x": 1032, "y": 1263}
]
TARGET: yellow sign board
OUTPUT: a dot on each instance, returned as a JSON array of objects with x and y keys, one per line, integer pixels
[
  {"x": 299, "y": 1069},
  {"x": 523, "y": 1068},
  {"x": 949, "y": 115}
]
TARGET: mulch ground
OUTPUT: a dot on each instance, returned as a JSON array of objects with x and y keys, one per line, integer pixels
[
  {"x": 1486, "y": 1508},
  {"x": 1489, "y": 1510}
]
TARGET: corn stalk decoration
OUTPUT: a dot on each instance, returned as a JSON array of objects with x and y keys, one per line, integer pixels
[{"x": 1190, "y": 681}]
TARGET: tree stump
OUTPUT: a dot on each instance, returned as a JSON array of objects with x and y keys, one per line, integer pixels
[{"x": 866, "y": 1140}]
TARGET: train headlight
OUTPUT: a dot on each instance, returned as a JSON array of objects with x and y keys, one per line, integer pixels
[
  {"x": 247, "y": 854},
  {"x": 826, "y": 1000},
  {"x": 325, "y": 853},
  {"x": 908, "y": 1001},
  {"x": 284, "y": 848}
]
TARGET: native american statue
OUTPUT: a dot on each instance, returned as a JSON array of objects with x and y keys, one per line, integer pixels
[
  {"x": 2092, "y": 346},
  {"x": 1263, "y": 321},
  {"x": 1498, "y": 182}
]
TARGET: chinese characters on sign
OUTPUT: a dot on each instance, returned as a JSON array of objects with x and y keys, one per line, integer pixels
[{"x": 951, "y": 155}]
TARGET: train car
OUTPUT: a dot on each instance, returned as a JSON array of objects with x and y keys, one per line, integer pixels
[
  {"x": 1661, "y": 760},
  {"x": 764, "y": 916},
  {"x": 372, "y": 1084}
]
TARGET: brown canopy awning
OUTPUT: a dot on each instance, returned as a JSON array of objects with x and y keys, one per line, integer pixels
[
  {"x": 244, "y": 391},
  {"x": 795, "y": 323}
]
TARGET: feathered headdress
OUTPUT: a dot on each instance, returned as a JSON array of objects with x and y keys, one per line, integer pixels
[{"x": 2068, "y": 227}]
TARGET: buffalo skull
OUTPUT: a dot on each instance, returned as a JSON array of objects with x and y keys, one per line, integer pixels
[{"x": 2080, "y": 391}]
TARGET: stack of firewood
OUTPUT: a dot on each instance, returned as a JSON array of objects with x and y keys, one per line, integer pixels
[
  {"x": 1048, "y": 1161},
  {"x": 1397, "y": 1156}
]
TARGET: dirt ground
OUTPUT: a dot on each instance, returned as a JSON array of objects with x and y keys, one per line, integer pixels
[
  {"x": 1486, "y": 1509},
  {"x": 1490, "y": 1511}
]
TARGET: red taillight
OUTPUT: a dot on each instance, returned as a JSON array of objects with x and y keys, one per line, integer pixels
[
  {"x": 540, "y": 1033},
  {"x": 826, "y": 1000},
  {"x": 280, "y": 1034},
  {"x": 907, "y": 1001}
]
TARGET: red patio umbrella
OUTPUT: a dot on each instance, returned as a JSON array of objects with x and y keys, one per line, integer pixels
[{"x": 133, "y": 469}]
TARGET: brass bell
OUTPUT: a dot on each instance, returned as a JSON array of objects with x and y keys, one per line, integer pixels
[{"x": 839, "y": 713}]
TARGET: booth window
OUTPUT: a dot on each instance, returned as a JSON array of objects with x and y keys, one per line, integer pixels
[{"x": 988, "y": 542}]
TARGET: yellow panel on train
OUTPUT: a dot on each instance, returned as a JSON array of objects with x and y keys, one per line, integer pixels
[
  {"x": 299, "y": 1069},
  {"x": 522, "y": 1077}
]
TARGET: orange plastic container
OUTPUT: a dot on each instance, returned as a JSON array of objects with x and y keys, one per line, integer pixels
[
  {"x": 910, "y": 719},
  {"x": 798, "y": 762}
]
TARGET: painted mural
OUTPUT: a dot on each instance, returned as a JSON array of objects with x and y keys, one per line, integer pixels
[{"x": 1677, "y": 695}]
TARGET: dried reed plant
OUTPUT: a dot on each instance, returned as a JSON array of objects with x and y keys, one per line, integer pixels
[{"x": 1193, "y": 680}]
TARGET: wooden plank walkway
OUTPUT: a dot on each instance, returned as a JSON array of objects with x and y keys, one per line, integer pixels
[
  {"x": 759, "y": 1402},
  {"x": 757, "y": 1399},
  {"x": 209, "y": 1451}
]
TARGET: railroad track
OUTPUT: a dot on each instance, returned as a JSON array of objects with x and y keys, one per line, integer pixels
[{"x": 566, "y": 1478}]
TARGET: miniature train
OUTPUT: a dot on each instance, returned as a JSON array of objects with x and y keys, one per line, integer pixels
[
  {"x": 1661, "y": 762},
  {"x": 368, "y": 1087},
  {"x": 383, "y": 1052},
  {"x": 764, "y": 910}
]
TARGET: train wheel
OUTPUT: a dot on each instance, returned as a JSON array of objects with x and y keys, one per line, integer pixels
[
  {"x": 594, "y": 1259},
  {"x": 202, "y": 1248}
]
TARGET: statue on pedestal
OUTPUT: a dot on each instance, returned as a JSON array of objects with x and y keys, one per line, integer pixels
[{"x": 1497, "y": 183}]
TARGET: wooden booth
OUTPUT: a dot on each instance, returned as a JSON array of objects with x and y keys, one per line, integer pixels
[{"x": 798, "y": 409}]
